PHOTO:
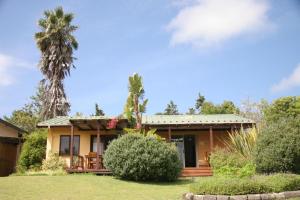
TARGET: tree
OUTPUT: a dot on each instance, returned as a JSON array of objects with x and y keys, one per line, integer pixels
[
  {"x": 227, "y": 107},
  {"x": 199, "y": 102},
  {"x": 171, "y": 109},
  {"x": 135, "y": 104},
  {"x": 278, "y": 146},
  {"x": 98, "y": 111},
  {"x": 56, "y": 43},
  {"x": 78, "y": 114},
  {"x": 209, "y": 108},
  {"x": 36, "y": 104},
  {"x": 191, "y": 111},
  {"x": 282, "y": 108},
  {"x": 254, "y": 110},
  {"x": 29, "y": 115},
  {"x": 24, "y": 119}
]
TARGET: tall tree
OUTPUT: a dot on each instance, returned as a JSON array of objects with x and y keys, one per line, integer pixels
[
  {"x": 171, "y": 109},
  {"x": 284, "y": 107},
  {"x": 199, "y": 102},
  {"x": 135, "y": 104},
  {"x": 36, "y": 104},
  {"x": 254, "y": 110},
  {"x": 29, "y": 115},
  {"x": 191, "y": 111},
  {"x": 56, "y": 43},
  {"x": 98, "y": 111}
]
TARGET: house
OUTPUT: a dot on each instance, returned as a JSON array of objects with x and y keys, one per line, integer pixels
[
  {"x": 10, "y": 146},
  {"x": 194, "y": 135}
]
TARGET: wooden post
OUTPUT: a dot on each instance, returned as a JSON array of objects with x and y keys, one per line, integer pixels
[
  {"x": 232, "y": 130},
  {"x": 98, "y": 146},
  {"x": 169, "y": 134},
  {"x": 71, "y": 146},
  {"x": 211, "y": 138}
]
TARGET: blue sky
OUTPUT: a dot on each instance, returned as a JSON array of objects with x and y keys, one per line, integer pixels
[{"x": 227, "y": 51}]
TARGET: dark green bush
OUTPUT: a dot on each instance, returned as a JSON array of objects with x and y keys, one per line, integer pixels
[
  {"x": 33, "y": 151},
  {"x": 140, "y": 158},
  {"x": 227, "y": 163},
  {"x": 278, "y": 147},
  {"x": 247, "y": 185}
]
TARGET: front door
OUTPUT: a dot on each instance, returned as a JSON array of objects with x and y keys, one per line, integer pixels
[
  {"x": 179, "y": 142},
  {"x": 190, "y": 151}
]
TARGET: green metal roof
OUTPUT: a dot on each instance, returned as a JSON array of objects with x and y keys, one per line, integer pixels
[
  {"x": 57, "y": 121},
  {"x": 195, "y": 119},
  {"x": 158, "y": 119}
]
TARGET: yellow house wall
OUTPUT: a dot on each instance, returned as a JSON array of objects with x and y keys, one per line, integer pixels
[
  {"x": 53, "y": 140},
  {"x": 6, "y": 131},
  {"x": 202, "y": 140}
]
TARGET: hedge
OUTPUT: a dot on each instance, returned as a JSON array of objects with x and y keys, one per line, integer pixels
[{"x": 240, "y": 186}]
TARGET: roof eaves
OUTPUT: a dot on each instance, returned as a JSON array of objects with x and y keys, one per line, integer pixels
[{"x": 13, "y": 126}]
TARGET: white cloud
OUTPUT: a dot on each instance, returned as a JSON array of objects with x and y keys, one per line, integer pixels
[
  {"x": 289, "y": 82},
  {"x": 210, "y": 22},
  {"x": 7, "y": 65}
]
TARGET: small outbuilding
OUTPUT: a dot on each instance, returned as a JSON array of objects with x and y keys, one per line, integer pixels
[{"x": 11, "y": 139}]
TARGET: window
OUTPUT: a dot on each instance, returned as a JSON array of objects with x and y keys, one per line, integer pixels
[
  {"x": 65, "y": 144},
  {"x": 104, "y": 142}
]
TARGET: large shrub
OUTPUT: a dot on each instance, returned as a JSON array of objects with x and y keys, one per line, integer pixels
[
  {"x": 247, "y": 185},
  {"x": 232, "y": 164},
  {"x": 137, "y": 157},
  {"x": 33, "y": 151},
  {"x": 278, "y": 147}
]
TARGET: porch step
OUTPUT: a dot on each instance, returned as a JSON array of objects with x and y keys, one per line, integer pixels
[{"x": 191, "y": 172}]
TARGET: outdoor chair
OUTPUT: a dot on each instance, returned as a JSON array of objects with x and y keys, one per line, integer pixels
[
  {"x": 78, "y": 162},
  {"x": 91, "y": 160}
]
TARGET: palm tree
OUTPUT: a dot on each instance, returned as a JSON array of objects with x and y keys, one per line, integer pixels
[
  {"x": 56, "y": 43},
  {"x": 135, "y": 104}
]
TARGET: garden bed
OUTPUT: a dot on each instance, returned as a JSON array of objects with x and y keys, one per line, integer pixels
[{"x": 259, "y": 184}]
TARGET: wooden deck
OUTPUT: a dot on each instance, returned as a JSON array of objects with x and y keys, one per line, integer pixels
[
  {"x": 194, "y": 172},
  {"x": 186, "y": 172}
]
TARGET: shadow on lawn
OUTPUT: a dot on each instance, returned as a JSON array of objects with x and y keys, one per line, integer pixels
[{"x": 180, "y": 181}]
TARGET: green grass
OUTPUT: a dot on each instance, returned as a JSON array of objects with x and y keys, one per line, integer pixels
[{"x": 75, "y": 187}]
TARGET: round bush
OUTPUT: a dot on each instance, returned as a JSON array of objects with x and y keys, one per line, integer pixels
[
  {"x": 278, "y": 147},
  {"x": 137, "y": 157}
]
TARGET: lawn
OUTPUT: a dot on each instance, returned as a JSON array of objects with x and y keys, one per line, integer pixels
[{"x": 75, "y": 187}]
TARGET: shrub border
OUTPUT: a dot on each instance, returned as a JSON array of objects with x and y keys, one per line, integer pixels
[{"x": 267, "y": 196}]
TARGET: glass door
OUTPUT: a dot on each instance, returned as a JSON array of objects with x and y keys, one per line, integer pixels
[{"x": 179, "y": 142}]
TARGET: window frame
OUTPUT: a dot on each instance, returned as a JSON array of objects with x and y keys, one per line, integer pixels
[{"x": 68, "y": 154}]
